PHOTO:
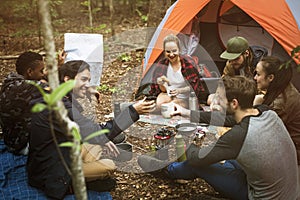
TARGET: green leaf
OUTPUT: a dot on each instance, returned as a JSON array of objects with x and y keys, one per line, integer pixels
[
  {"x": 61, "y": 91},
  {"x": 295, "y": 51},
  {"x": 38, "y": 87},
  {"x": 38, "y": 107},
  {"x": 95, "y": 134},
  {"x": 76, "y": 134},
  {"x": 66, "y": 144},
  {"x": 44, "y": 94}
]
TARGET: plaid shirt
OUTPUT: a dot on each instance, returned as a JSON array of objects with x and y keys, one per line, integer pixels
[{"x": 189, "y": 72}]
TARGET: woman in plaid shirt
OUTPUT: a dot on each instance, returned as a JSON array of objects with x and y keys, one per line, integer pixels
[{"x": 175, "y": 76}]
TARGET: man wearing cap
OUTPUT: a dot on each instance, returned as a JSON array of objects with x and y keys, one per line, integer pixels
[{"x": 241, "y": 57}]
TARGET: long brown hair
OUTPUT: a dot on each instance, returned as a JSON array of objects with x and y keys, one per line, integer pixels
[{"x": 282, "y": 77}]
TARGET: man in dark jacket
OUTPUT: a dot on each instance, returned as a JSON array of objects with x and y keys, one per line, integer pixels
[
  {"x": 241, "y": 58},
  {"x": 16, "y": 101},
  {"x": 46, "y": 169}
]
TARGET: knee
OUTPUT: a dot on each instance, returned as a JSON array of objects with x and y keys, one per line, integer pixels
[{"x": 109, "y": 164}]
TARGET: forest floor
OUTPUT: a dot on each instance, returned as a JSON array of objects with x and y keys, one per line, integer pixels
[{"x": 121, "y": 74}]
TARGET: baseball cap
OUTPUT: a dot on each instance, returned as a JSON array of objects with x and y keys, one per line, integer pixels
[{"x": 235, "y": 47}]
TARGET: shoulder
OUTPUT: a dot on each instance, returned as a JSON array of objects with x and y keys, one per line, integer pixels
[
  {"x": 187, "y": 60},
  {"x": 161, "y": 65}
]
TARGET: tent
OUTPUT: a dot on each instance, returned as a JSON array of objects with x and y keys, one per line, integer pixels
[{"x": 272, "y": 24}]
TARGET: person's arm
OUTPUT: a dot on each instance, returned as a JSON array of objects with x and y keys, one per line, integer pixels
[
  {"x": 227, "y": 147},
  {"x": 125, "y": 119},
  {"x": 86, "y": 125},
  {"x": 214, "y": 118},
  {"x": 182, "y": 90}
]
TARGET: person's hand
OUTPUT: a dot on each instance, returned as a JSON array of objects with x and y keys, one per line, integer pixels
[
  {"x": 162, "y": 80},
  {"x": 94, "y": 92},
  {"x": 216, "y": 103},
  {"x": 112, "y": 149},
  {"x": 173, "y": 92},
  {"x": 179, "y": 110},
  {"x": 144, "y": 107},
  {"x": 210, "y": 99},
  {"x": 61, "y": 57}
]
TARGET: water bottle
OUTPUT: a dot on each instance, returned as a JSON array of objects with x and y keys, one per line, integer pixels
[
  {"x": 193, "y": 101},
  {"x": 180, "y": 148}
]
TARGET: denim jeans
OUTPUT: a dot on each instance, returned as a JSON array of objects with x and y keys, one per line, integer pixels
[{"x": 228, "y": 179}]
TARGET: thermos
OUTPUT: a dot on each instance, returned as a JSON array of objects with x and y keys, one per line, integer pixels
[
  {"x": 180, "y": 148},
  {"x": 193, "y": 101}
]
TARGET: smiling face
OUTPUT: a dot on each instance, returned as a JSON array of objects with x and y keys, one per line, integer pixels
[
  {"x": 262, "y": 79},
  {"x": 171, "y": 51},
  {"x": 82, "y": 81}
]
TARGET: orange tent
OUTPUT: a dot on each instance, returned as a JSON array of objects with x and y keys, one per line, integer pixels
[{"x": 273, "y": 24}]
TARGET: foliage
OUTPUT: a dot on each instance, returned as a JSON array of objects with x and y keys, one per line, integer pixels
[
  {"x": 125, "y": 57},
  {"x": 87, "y": 4},
  {"x": 144, "y": 18},
  {"x": 295, "y": 54},
  {"x": 52, "y": 98},
  {"x": 101, "y": 28},
  {"x": 106, "y": 88},
  {"x": 77, "y": 137}
]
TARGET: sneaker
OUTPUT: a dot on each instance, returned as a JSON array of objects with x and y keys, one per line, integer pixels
[
  {"x": 104, "y": 185},
  {"x": 154, "y": 166},
  {"x": 119, "y": 138}
]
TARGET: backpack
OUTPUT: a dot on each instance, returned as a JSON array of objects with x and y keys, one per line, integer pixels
[{"x": 258, "y": 53}]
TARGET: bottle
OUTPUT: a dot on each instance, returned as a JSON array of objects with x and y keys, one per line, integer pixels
[
  {"x": 180, "y": 148},
  {"x": 193, "y": 102}
]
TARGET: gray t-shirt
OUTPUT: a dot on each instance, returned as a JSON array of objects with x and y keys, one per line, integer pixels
[{"x": 263, "y": 148}]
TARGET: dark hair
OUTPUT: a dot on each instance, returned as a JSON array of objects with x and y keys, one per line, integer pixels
[
  {"x": 282, "y": 77},
  {"x": 171, "y": 38},
  {"x": 27, "y": 60},
  {"x": 72, "y": 68},
  {"x": 241, "y": 88}
]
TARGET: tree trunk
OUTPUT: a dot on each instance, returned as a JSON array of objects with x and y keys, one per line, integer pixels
[
  {"x": 90, "y": 14},
  {"x": 61, "y": 112},
  {"x": 155, "y": 14},
  {"x": 132, "y": 7},
  {"x": 157, "y": 9},
  {"x": 111, "y": 11}
]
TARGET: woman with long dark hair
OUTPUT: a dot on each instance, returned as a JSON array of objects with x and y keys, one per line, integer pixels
[{"x": 281, "y": 95}]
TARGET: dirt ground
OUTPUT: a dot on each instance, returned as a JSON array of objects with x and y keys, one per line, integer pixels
[{"x": 120, "y": 78}]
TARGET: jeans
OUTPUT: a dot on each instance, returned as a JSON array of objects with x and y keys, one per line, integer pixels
[{"x": 228, "y": 179}]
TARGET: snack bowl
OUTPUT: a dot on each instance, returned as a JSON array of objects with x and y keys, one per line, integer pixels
[
  {"x": 203, "y": 124},
  {"x": 125, "y": 150},
  {"x": 186, "y": 128}
]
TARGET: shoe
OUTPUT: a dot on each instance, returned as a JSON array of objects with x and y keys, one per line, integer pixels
[
  {"x": 154, "y": 166},
  {"x": 104, "y": 185},
  {"x": 119, "y": 138}
]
